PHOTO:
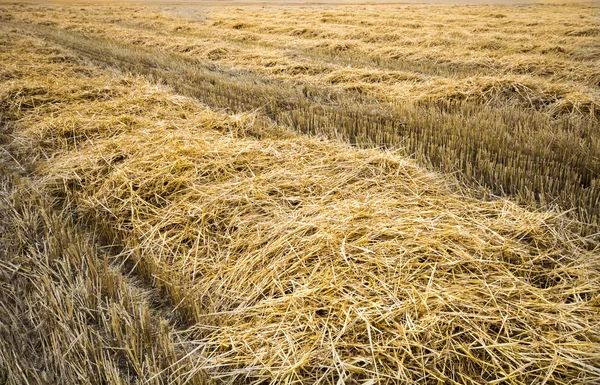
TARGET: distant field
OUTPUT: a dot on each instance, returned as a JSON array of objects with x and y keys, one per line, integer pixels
[
  {"x": 507, "y": 96},
  {"x": 300, "y": 193}
]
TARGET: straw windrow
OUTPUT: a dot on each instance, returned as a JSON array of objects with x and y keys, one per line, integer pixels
[{"x": 294, "y": 259}]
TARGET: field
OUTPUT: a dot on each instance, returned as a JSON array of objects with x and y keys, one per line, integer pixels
[{"x": 302, "y": 194}]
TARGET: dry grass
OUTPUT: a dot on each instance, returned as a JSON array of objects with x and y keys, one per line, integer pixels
[
  {"x": 507, "y": 96},
  {"x": 68, "y": 315},
  {"x": 294, "y": 259}
]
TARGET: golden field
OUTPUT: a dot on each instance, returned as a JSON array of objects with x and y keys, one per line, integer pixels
[
  {"x": 299, "y": 194},
  {"x": 508, "y": 97}
]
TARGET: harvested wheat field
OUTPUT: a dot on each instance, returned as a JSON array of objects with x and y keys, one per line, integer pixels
[{"x": 263, "y": 193}]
